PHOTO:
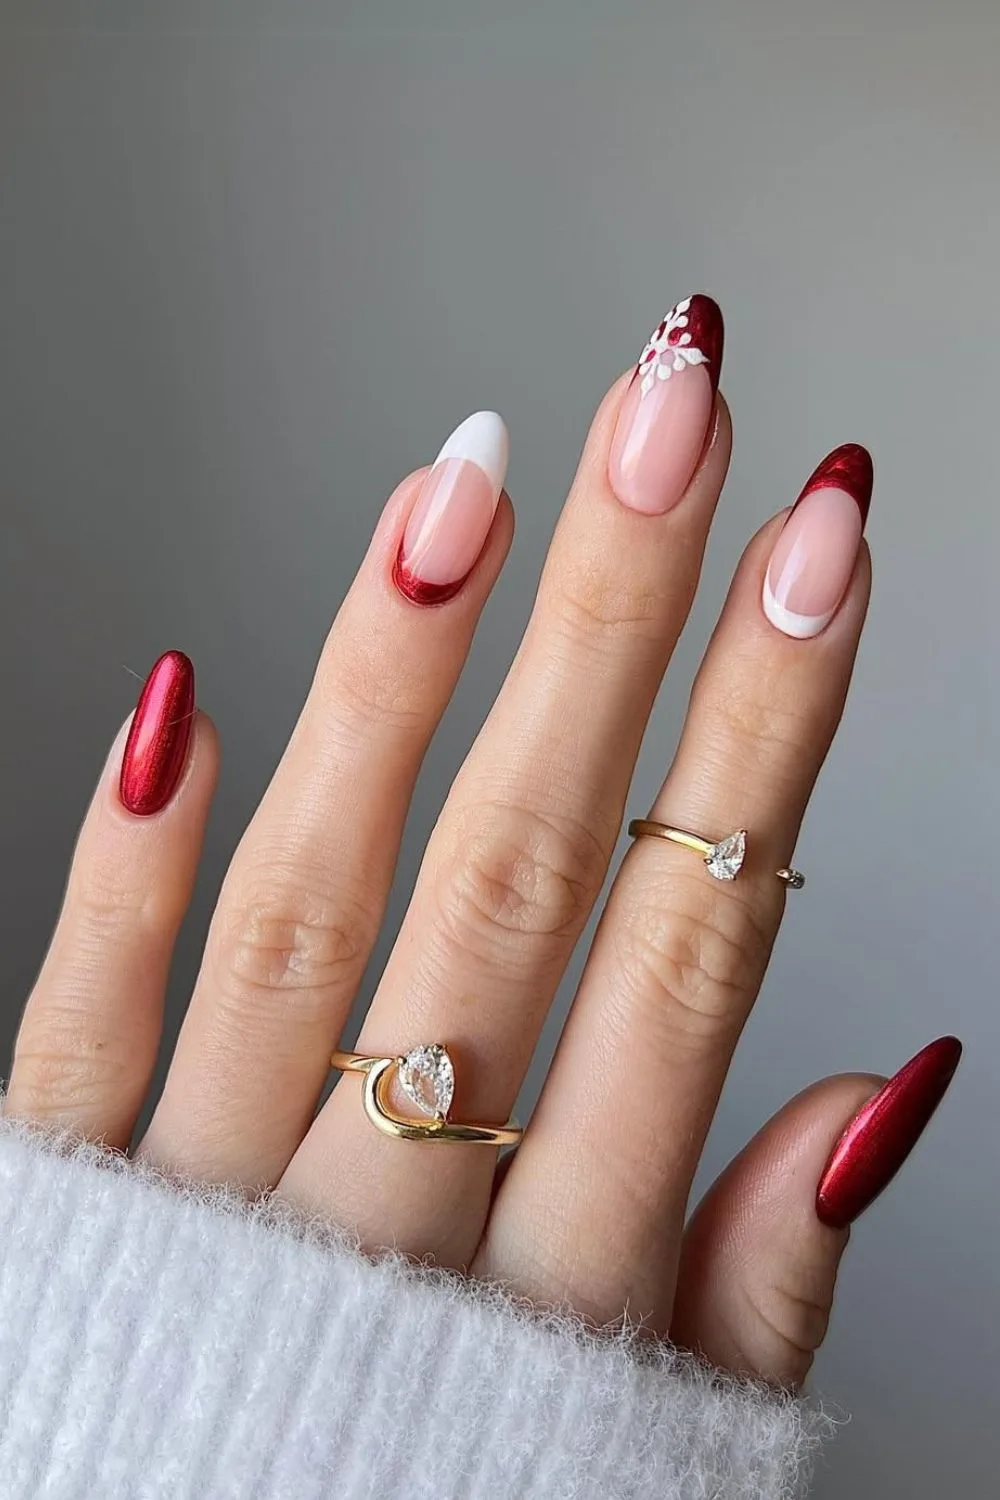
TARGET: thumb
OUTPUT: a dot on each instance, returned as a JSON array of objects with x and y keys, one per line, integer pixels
[{"x": 760, "y": 1257}]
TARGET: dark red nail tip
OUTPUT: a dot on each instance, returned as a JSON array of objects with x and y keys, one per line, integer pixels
[
  {"x": 848, "y": 468},
  {"x": 157, "y": 744},
  {"x": 419, "y": 592},
  {"x": 695, "y": 323},
  {"x": 883, "y": 1133},
  {"x": 707, "y": 332}
]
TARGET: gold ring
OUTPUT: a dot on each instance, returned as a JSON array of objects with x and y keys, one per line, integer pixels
[
  {"x": 427, "y": 1077},
  {"x": 723, "y": 859}
]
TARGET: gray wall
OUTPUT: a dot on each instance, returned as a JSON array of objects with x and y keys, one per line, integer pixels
[{"x": 249, "y": 276}]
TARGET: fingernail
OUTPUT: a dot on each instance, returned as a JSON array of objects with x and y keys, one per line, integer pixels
[
  {"x": 452, "y": 517},
  {"x": 814, "y": 556},
  {"x": 881, "y": 1136},
  {"x": 157, "y": 744},
  {"x": 666, "y": 411}
]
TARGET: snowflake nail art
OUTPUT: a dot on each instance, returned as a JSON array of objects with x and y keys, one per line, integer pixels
[{"x": 690, "y": 334}]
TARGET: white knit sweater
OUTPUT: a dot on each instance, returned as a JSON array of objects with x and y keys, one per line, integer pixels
[{"x": 160, "y": 1343}]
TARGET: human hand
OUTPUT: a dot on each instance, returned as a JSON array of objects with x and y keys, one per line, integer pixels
[{"x": 590, "y": 1211}]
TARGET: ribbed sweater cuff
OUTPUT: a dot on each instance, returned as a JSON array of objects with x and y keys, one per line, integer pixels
[{"x": 157, "y": 1341}]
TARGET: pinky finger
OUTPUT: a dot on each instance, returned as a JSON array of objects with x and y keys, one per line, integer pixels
[
  {"x": 761, "y": 1254},
  {"x": 90, "y": 1032}
]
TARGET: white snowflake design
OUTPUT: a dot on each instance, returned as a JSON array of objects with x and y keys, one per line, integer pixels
[{"x": 669, "y": 350}]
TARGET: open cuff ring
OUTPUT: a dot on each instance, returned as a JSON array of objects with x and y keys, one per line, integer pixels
[
  {"x": 723, "y": 860},
  {"x": 427, "y": 1078}
]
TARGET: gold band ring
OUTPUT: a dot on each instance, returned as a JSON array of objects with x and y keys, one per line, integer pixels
[
  {"x": 427, "y": 1078},
  {"x": 723, "y": 859}
]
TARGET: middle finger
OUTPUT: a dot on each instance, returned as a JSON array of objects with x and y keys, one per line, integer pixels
[{"x": 523, "y": 844}]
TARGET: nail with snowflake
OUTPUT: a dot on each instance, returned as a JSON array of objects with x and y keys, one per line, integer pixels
[{"x": 666, "y": 412}]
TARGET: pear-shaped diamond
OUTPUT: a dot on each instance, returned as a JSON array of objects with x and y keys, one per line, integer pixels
[
  {"x": 726, "y": 859},
  {"x": 428, "y": 1079}
]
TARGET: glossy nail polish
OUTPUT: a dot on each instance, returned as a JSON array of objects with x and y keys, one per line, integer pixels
[
  {"x": 667, "y": 410},
  {"x": 157, "y": 744},
  {"x": 884, "y": 1132},
  {"x": 814, "y": 556},
  {"x": 451, "y": 519}
]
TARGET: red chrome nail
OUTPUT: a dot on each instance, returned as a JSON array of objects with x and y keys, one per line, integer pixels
[
  {"x": 848, "y": 468},
  {"x": 884, "y": 1132},
  {"x": 157, "y": 743}
]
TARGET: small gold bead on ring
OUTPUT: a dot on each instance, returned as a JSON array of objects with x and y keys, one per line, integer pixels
[{"x": 723, "y": 858}]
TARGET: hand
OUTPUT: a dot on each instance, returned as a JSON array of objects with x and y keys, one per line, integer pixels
[{"x": 591, "y": 1210}]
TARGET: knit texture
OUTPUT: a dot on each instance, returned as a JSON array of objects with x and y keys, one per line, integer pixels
[{"x": 161, "y": 1341}]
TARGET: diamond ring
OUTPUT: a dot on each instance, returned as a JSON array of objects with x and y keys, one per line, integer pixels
[
  {"x": 427, "y": 1077},
  {"x": 723, "y": 860}
]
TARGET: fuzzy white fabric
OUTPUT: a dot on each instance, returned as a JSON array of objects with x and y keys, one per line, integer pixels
[{"x": 161, "y": 1343}]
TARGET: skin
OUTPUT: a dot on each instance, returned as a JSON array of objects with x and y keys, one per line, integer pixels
[{"x": 591, "y": 1211}]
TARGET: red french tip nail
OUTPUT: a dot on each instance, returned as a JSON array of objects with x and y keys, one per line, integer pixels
[
  {"x": 157, "y": 744},
  {"x": 848, "y": 468},
  {"x": 708, "y": 333},
  {"x": 419, "y": 592},
  {"x": 884, "y": 1132}
]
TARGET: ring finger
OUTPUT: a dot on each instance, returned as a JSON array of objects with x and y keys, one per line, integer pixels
[{"x": 679, "y": 956}]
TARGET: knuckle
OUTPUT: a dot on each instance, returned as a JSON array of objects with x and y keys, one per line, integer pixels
[
  {"x": 366, "y": 689},
  {"x": 106, "y": 908},
  {"x": 693, "y": 964},
  {"x": 794, "y": 1325},
  {"x": 758, "y": 713},
  {"x": 517, "y": 874},
  {"x": 60, "y": 1068},
  {"x": 283, "y": 939},
  {"x": 589, "y": 605}
]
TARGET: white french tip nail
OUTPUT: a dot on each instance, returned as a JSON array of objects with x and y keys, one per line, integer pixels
[
  {"x": 482, "y": 440},
  {"x": 799, "y": 627}
]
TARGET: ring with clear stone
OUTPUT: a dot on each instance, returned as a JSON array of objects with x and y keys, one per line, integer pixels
[
  {"x": 427, "y": 1077},
  {"x": 723, "y": 858}
]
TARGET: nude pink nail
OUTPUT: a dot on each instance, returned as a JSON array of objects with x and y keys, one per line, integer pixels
[
  {"x": 666, "y": 411},
  {"x": 814, "y": 556},
  {"x": 454, "y": 512}
]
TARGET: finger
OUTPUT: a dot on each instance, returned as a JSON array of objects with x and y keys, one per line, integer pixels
[
  {"x": 304, "y": 897},
  {"x": 760, "y": 1256},
  {"x": 758, "y": 1268},
  {"x": 89, "y": 1037},
  {"x": 679, "y": 956},
  {"x": 522, "y": 846}
]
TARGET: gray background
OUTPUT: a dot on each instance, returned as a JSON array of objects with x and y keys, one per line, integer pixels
[{"x": 251, "y": 273}]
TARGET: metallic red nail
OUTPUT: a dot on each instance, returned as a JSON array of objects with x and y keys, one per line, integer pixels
[
  {"x": 691, "y": 333},
  {"x": 848, "y": 468},
  {"x": 884, "y": 1132},
  {"x": 157, "y": 744}
]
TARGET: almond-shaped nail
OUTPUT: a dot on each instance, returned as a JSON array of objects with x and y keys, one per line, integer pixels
[
  {"x": 454, "y": 512},
  {"x": 158, "y": 739},
  {"x": 814, "y": 556},
  {"x": 884, "y": 1132},
  {"x": 667, "y": 410}
]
